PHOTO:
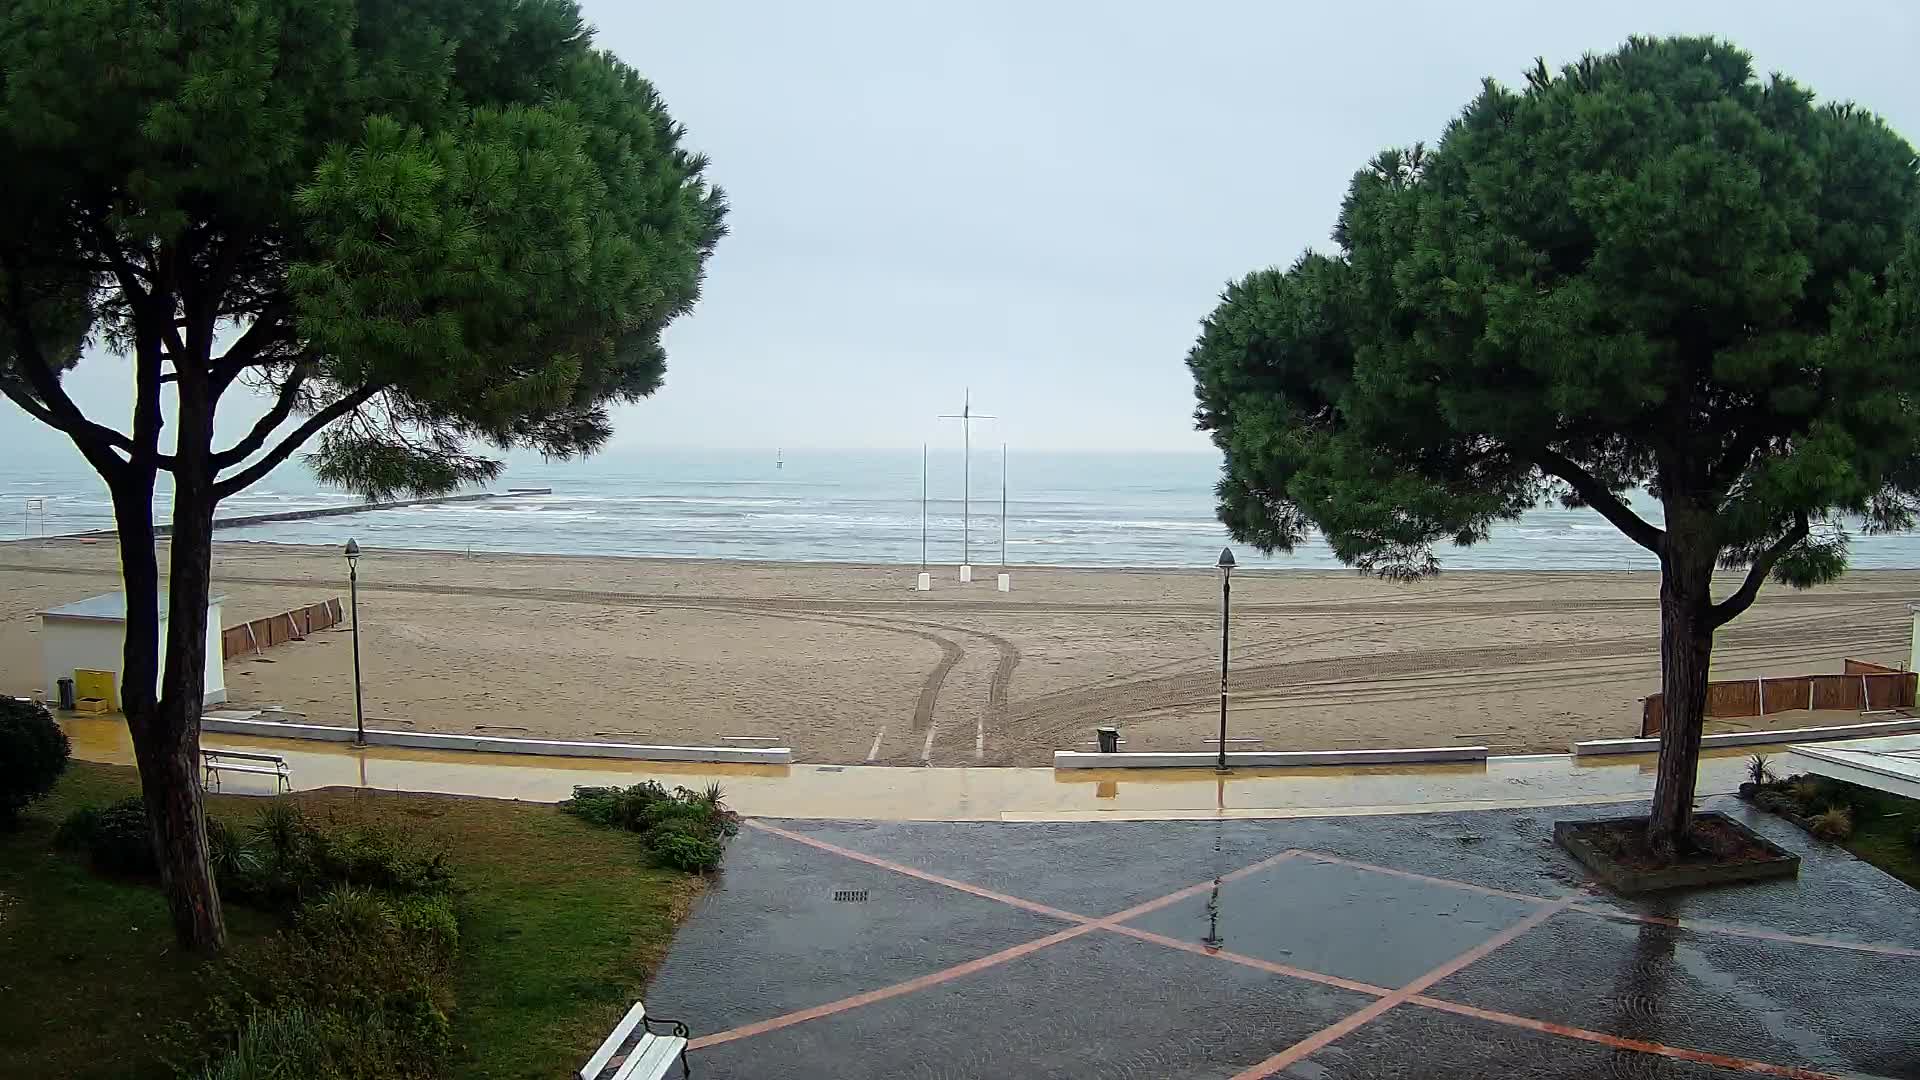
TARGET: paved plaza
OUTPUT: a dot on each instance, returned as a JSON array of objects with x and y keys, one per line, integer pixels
[{"x": 1425, "y": 945}]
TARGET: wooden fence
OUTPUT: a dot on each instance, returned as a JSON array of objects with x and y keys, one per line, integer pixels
[
  {"x": 248, "y": 639},
  {"x": 1864, "y": 687}
]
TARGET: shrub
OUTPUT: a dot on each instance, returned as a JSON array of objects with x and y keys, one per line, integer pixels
[
  {"x": 615, "y": 808},
  {"x": 33, "y": 754},
  {"x": 685, "y": 845},
  {"x": 276, "y": 1044},
  {"x": 682, "y": 828},
  {"x": 75, "y": 832},
  {"x": 115, "y": 838},
  {"x": 233, "y": 859},
  {"x": 380, "y": 858},
  {"x": 367, "y": 974},
  {"x": 1833, "y": 824},
  {"x": 296, "y": 859},
  {"x": 1808, "y": 794},
  {"x": 1759, "y": 770}
]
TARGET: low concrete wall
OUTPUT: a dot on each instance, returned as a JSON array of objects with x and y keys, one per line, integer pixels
[
  {"x": 427, "y": 740},
  {"x": 1752, "y": 738},
  {"x": 1263, "y": 759}
]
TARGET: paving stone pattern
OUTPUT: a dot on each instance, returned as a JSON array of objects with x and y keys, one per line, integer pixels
[{"x": 1332, "y": 948}]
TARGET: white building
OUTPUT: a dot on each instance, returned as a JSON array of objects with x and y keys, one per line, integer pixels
[{"x": 90, "y": 636}]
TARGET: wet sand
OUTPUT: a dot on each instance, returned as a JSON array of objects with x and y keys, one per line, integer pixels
[{"x": 849, "y": 664}]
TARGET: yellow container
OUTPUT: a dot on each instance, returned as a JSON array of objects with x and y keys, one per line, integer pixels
[{"x": 98, "y": 685}]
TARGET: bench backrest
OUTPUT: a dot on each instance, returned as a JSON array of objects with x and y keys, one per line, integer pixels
[
  {"x": 214, "y": 754},
  {"x": 614, "y": 1041}
]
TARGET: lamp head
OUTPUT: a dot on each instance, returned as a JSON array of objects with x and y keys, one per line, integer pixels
[
  {"x": 1226, "y": 561},
  {"x": 353, "y": 550}
]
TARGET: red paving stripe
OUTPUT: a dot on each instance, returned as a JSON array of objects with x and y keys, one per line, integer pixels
[
  {"x": 1086, "y": 925},
  {"x": 1339, "y": 1029},
  {"x": 1698, "y": 926},
  {"x": 1108, "y": 921},
  {"x": 898, "y": 868},
  {"x": 1252, "y": 961},
  {"x": 1386, "y": 999},
  {"x": 1749, "y": 932},
  {"x": 1429, "y": 879},
  {"x": 1566, "y": 1032},
  {"x": 910, "y": 986}
]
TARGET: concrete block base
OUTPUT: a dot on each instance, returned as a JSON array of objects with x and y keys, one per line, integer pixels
[
  {"x": 1263, "y": 759},
  {"x": 1754, "y": 738},
  {"x": 427, "y": 740}
]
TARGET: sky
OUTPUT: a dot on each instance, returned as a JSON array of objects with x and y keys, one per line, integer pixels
[{"x": 1042, "y": 201}]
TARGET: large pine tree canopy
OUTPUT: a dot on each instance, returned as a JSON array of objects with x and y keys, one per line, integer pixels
[
  {"x": 1649, "y": 269},
  {"x": 426, "y": 223},
  {"x": 420, "y": 227}
]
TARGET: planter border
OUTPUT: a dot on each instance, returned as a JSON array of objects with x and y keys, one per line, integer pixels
[
  {"x": 1627, "y": 880},
  {"x": 1754, "y": 738}
]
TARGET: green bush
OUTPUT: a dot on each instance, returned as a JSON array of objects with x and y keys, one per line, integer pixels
[
  {"x": 231, "y": 857},
  {"x": 294, "y": 858},
  {"x": 682, "y": 828},
  {"x": 33, "y": 754},
  {"x": 684, "y": 845},
  {"x": 616, "y": 808},
  {"x": 358, "y": 987},
  {"x": 1809, "y": 794},
  {"x": 381, "y": 858},
  {"x": 1833, "y": 824},
  {"x": 276, "y": 1045},
  {"x": 115, "y": 839}
]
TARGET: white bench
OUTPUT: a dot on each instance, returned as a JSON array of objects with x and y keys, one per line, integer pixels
[
  {"x": 634, "y": 1052},
  {"x": 216, "y": 762}
]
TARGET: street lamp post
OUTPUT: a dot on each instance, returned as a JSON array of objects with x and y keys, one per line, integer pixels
[
  {"x": 1226, "y": 600},
  {"x": 353, "y": 600}
]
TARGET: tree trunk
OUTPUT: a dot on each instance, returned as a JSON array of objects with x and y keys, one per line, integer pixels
[
  {"x": 1686, "y": 652},
  {"x": 170, "y": 754}
]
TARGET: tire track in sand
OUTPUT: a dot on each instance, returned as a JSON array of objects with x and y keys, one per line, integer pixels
[
  {"x": 923, "y": 724},
  {"x": 1044, "y": 719}
]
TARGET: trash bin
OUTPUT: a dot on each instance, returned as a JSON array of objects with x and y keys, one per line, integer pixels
[
  {"x": 66, "y": 694},
  {"x": 1109, "y": 739}
]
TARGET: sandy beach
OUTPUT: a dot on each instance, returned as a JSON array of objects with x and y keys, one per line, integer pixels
[{"x": 849, "y": 664}]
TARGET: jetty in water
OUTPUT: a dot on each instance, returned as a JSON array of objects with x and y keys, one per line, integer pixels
[{"x": 336, "y": 511}]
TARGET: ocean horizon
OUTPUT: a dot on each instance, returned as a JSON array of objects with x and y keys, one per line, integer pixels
[{"x": 1150, "y": 509}]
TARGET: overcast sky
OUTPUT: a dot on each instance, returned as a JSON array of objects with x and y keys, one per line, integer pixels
[{"x": 1041, "y": 201}]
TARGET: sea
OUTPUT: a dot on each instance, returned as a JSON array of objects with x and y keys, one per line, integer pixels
[{"x": 1028, "y": 508}]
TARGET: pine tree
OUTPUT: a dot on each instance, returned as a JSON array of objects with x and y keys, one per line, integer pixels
[
  {"x": 1649, "y": 269},
  {"x": 421, "y": 226}
]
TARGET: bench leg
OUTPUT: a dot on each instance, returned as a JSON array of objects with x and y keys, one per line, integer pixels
[{"x": 684, "y": 1070}]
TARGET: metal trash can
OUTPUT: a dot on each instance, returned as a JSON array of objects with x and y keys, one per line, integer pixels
[
  {"x": 1109, "y": 739},
  {"x": 67, "y": 700}
]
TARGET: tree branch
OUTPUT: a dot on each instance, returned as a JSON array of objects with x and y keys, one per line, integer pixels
[
  {"x": 264, "y": 427},
  {"x": 280, "y": 453},
  {"x": 56, "y": 409},
  {"x": 1595, "y": 494},
  {"x": 1724, "y": 611},
  {"x": 265, "y": 330},
  {"x": 123, "y": 267}
]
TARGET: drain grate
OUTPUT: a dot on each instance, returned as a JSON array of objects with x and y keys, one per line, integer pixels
[{"x": 850, "y": 896}]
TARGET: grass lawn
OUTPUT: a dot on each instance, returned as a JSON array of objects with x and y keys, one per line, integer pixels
[
  {"x": 560, "y": 923},
  {"x": 1882, "y": 826}
]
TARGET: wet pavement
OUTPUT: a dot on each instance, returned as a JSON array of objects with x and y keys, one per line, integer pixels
[{"x": 1432, "y": 945}]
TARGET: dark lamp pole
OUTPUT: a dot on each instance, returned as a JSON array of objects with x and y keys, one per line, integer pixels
[
  {"x": 1226, "y": 600},
  {"x": 353, "y": 593}
]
